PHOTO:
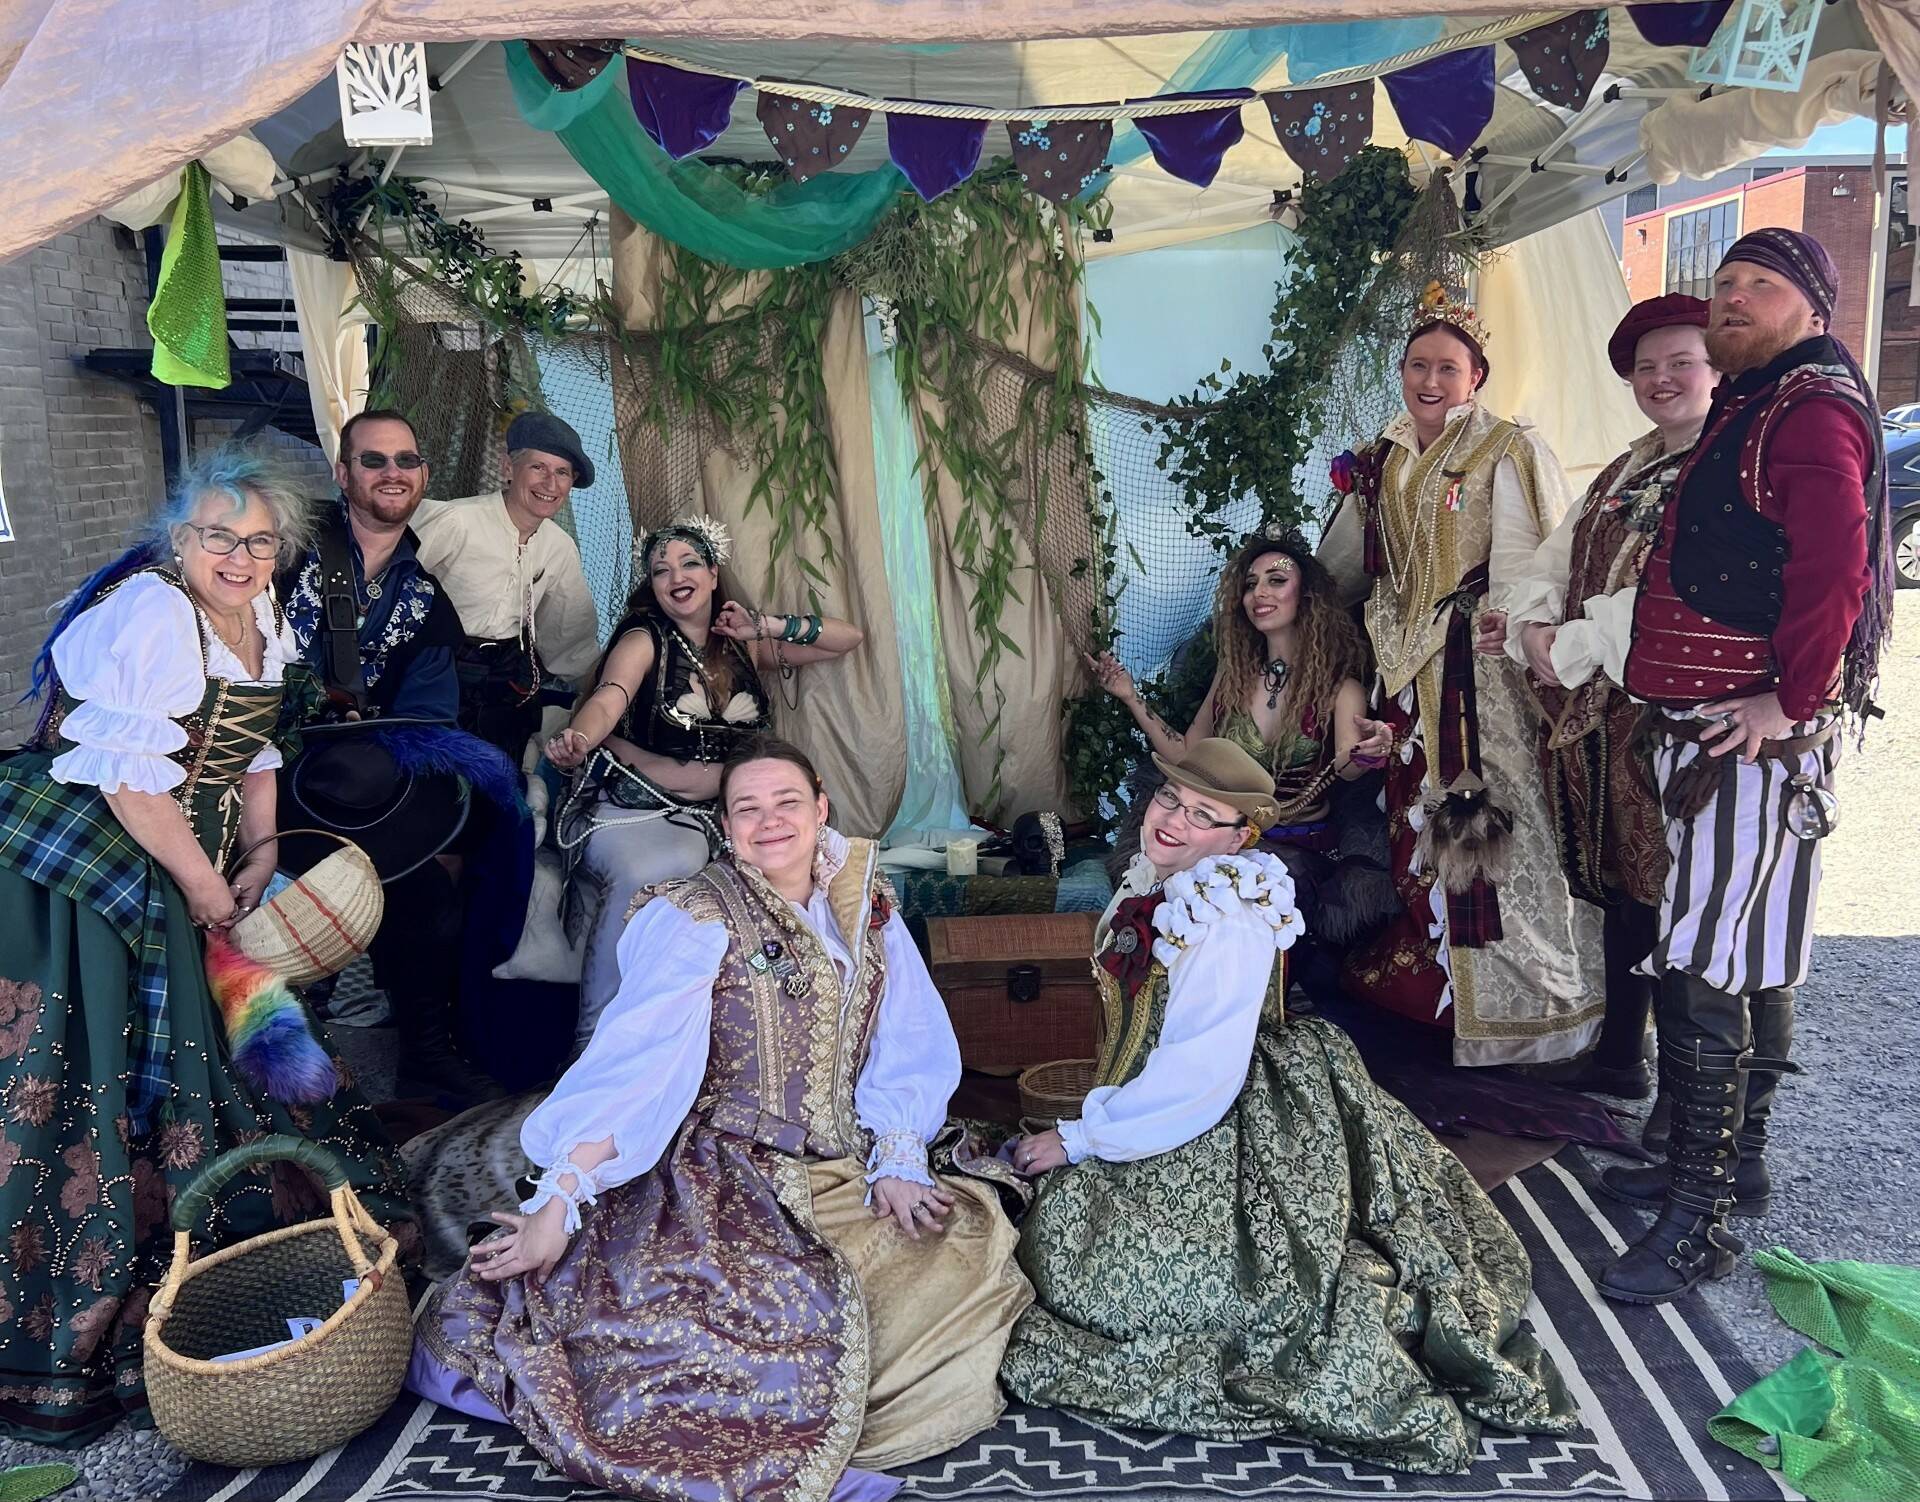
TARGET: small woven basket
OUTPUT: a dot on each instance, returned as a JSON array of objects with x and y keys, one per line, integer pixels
[
  {"x": 308, "y": 1396},
  {"x": 320, "y": 924},
  {"x": 1050, "y": 1091}
]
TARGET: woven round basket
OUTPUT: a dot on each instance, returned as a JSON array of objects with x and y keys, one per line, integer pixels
[
  {"x": 320, "y": 924},
  {"x": 308, "y": 1396},
  {"x": 1050, "y": 1091}
]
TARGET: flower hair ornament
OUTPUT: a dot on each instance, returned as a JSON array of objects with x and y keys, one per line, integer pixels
[
  {"x": 703, "y": 534},
  {"x": 1436, "y": 306}
]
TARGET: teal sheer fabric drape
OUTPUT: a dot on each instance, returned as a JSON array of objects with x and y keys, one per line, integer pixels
[
  {"x": 933, "y": 803},
  {"x": 688, "y": 202}
]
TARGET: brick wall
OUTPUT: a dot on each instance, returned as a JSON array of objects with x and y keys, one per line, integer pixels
[
  {"x": 80, "y": 454},
  {"x": 1775, "y": 202},
  {"x": 1844, "y": 224},
  {"x": 1644, "y": 261}
]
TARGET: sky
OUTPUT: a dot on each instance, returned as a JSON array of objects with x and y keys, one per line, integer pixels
[{"x": 1849, "y": 138}]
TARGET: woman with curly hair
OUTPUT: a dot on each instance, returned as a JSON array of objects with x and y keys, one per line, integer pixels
[{"x": 1287, "y": 692}]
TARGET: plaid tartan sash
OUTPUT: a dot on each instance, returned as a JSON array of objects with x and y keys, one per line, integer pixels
[
  {"x": 1473, "y": 916},
  {"x": 67, "y": 839}
]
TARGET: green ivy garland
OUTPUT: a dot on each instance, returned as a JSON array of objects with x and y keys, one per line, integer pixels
[
  {"x": 453, "y": 252},
  {"x": 1248, "y": 436},
  {"x": 946, "y": 278}
]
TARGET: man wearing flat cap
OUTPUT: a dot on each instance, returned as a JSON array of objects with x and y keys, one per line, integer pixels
[
  {"x": 1756, "y": 632},
  {"x": 515, "y": 579}
]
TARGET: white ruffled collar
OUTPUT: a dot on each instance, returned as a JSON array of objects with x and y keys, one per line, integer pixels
[{"x": 1252, "y": 881}]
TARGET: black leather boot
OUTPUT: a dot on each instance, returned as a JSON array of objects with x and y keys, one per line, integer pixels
[
  {"x": 1704, "y": 1052},
  {"x": 1645, "y": 1186},
  {"x": 430, "y": 1063},
  {"x": 1688, "y": 1242},
  {"x": 1771, "y": 1013},
  {"x": 1659, "y": 1123}
]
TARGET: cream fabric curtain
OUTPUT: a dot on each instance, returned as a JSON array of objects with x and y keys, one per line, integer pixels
[
  {"x": 851, "y": 718},
  {"x": 1025, "y": 693},
  {"x": 1549, "y": 347},
  {"x": 333, "y": 341}
]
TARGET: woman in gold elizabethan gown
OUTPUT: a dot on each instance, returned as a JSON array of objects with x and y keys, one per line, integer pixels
[{"x": 1242, "y": 1235}]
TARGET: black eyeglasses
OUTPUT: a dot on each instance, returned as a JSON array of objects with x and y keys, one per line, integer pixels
[
  {"x": 374, "y": 461},
  {"x": 220, "y": 542},
  {"x": 1199, "y": 818}
]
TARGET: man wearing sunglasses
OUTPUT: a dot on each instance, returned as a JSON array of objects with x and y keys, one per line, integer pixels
[
  {"x": 514, "y": 576},
  {"x": 380, "y": 632}
]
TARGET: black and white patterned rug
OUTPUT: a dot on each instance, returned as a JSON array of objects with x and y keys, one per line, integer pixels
[{"x": 1646, "y": 1380}]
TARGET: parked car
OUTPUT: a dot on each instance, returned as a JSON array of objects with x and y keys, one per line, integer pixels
[
  {"x": 1905, "y": 416},
  {"x": 1903, "y": 479}
]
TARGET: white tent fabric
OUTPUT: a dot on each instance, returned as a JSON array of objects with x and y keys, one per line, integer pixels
[
  {"x": 1549, "y": 351},
  {"x": 1700, "y": 137},
  {"x": 100, "y": 97},
  {"x": 333, "y": 341}
]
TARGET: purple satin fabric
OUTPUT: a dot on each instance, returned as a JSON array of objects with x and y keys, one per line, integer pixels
[
  {"x": 439, "y": 1383},
  {"x": 1448, "y": 100},
  {"x": 1190, "y": 146},
  {"x": 683, "y": 112},
  {"x": 935, "y": 155},
  {"x": 1679, "y": 25}
]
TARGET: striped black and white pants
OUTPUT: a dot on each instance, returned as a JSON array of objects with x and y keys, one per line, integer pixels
[{"x": 1739, "y": 900}]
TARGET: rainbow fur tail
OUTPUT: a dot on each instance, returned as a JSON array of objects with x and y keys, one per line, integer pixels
[{"x": 273, "y": 1048}]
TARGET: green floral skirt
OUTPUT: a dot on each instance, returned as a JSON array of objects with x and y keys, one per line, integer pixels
[
  {"x": 1315, "y": 1265},
  {"x": 85, "y": 1202}
]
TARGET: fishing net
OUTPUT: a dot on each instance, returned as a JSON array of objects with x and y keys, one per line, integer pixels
[{"x": 461, "y": 380}]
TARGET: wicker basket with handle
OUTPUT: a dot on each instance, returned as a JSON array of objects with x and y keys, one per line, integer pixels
[
  {"x": 306, "y": 1397},
  {"x": 320, "y": 924},
  {"x": 1051, "y": 1091}
]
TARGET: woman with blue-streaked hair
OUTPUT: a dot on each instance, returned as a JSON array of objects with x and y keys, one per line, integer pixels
[{"x": 141, "y": 816}]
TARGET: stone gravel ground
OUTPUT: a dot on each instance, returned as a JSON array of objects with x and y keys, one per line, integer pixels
[{"x": 1846, "y": 1153}]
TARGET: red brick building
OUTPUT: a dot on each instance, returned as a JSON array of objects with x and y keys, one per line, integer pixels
[{"x": 1675, "y": 247}]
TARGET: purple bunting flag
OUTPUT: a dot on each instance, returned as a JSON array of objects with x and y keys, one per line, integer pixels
[
  {"x": 683, "y": 112},
  {"x": 810, "y": 137},
  {"x": 1190, "y": 146},
  {"x": 1447, "y": 100},
  {"x": 1563, "y": 60},
  {"x": 1060, "y": 161},
  {"x": 935, "y": 154},
  {"x": 1321, "y": 129},
  {"x": 1679, "y": 25},
  {"x": 573, "y": 65}
]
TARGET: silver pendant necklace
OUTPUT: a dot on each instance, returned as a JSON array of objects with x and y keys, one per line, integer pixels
[{"x": 1275, "y": 674}]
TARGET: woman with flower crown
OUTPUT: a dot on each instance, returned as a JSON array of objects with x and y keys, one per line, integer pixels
[
  {"x": 1241, "y": 1235},
  {"x": 680, "y": 686},
  {"x": 1444, "y": 512},
  {"x": 755, "y": 1256}
]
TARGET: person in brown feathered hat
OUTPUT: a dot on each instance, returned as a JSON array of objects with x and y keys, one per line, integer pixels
[{"x": 1569, "y": 623}]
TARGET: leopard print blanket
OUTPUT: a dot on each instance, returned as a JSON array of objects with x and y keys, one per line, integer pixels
[{"x": 462, "y": 1171}]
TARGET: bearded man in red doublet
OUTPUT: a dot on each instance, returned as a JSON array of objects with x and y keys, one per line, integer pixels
[{"x": 1757, "y": 629}]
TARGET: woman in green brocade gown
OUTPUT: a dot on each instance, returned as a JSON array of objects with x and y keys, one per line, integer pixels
[
  {"x": 1242, "y": 1235},
  {"x": 172, "y": 684}
]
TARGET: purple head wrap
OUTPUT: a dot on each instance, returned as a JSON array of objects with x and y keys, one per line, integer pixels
[{"x": 1801, "y": 259}]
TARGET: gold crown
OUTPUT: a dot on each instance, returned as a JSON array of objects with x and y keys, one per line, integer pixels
[{"x": 1435, "y": 306}]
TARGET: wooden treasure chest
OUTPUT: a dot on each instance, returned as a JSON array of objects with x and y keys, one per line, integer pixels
[{"x": 1018, "y": 987}]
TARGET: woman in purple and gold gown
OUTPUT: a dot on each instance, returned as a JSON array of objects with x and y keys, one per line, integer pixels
[{"x": 740, "y": 1273}]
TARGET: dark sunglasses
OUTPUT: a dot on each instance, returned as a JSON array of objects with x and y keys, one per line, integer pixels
[{"x": 374, "y": 461}]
